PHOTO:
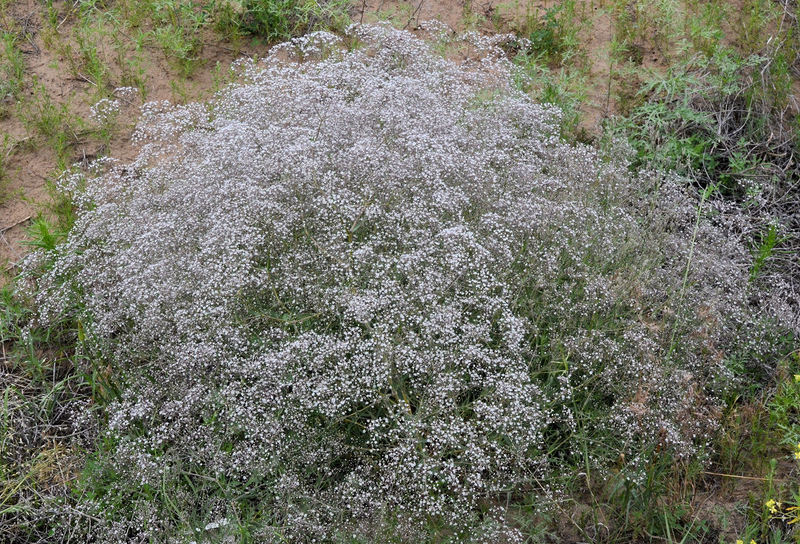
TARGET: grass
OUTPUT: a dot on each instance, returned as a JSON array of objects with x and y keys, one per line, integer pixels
[
  {"x": 39, "y": 389},
  {"x": 715, "y": 62},
  {"x": 6, "y": 147},
  {"x": 12, "y": 67}
]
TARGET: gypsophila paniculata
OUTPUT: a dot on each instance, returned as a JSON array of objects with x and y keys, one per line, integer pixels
[{"x": 375, "y": 288}]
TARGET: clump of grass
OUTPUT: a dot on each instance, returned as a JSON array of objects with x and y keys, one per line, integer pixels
[
  {"x": 704, "y": 25},
  {"x": 277, "y": 20},
  {"x": 785, "y": 406},
  {"x": 91, "y": 66},
  {"x": 51, "y": 122},
  {"x": 6, "y": 148},
  {"x": 45, "y": 420},
  {"x": 12, "y": 71},
  {"x": 638, "y": 22},
  {"x": 550, "y": 36},
  {"x": 554, "y": 36}
]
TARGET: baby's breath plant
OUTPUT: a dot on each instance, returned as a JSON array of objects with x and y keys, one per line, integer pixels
[{"x": 367, "y": 294}]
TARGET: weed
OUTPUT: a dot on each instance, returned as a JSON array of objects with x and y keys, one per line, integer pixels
[
  {"x": 277, "y": 20},
  {"x": 755, "y": 19},
  {"x": 227, "y": 21},
  {"x": 554, "y": 35},
  {"x": 94, "y": 69},
  {"x": 181, "y": 46},
  {"x": 547, "y": 36},
  {"x": 705, "y": 26},
  {"x": 12, "y": 70},
  {"x": 785, "y": 405},
  {"x": 52, "y": 122},
  {"x": 637, "y": 23},
  {"x": 765, "y": 250},
  {"x": 131, "y": 64},
  {"x": 6, "y": 150}
]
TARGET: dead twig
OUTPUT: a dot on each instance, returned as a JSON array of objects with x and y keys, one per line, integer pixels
[
  {"x": 737, "y": 476},
  {"x": 11, "y": 226},
  {"x": 414, "y": 14}
]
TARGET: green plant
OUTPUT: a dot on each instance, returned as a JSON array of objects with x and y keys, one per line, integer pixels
[
  {"x": 554, "y": 35},
  {"x": 785, "y": 405},
  {"x": 93, "y": 67},
  {"x": 546, "y": 35},
  {"x": 12, "y": 68},
  {"x": 6, "y": 149},
  {"x": 754, "y": 20},
  {"x": 562, "y": 87},
  {"x": 130, "y": 60},
  {"x": 181, "y": 46},
  {"x": 51, "y": 121},
  {"x": 705, "y": 25},
  {"x": 276, "y": 20},
  {"x": 39, "y": 450},
  {"x": 765, "y": 250}
]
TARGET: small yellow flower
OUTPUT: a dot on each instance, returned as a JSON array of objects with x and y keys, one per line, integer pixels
[
  {"x": 752, "y": 541},
  {"x": 773, "y": 506},
  {"x": 797, "y": 378},
  {"x": 740, "y": 541}
]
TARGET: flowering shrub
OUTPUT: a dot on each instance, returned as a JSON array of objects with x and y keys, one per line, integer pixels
[{"x": 365, "y": 293}]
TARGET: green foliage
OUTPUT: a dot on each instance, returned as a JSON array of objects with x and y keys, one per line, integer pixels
[
  {"x": 43, "y": 235},
  {"x": 710, "y": 120},
  {"x": 276, "y": 20},
  {"x": 562, "y": 87},
  {"x": 177, "y": 32},
  {"x": 641, "y": 22},
  {"x": 180, "y": 46},
  {"x": 554, "y": 36},
  {"x": 553, "y": 61},
  {"x": 765, "y": 250},
  {"x": 39, "y": 389},
  {"x": 12, "y": 69},
  {"x": 53, "y": 122},
  {"x": 785, "y": 405},
  {"x": 548, "y": 36},
  {"x": 6, "y": 148},
  {"x": 92, "y": 66},
  {"x": 705, "y": 26},
  {"x": 755, "y": 19}
]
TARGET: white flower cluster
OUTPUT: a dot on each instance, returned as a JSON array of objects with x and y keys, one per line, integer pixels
[
  {"x": 377, "y": 290},
  {"x": 104, "y": 110}
]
